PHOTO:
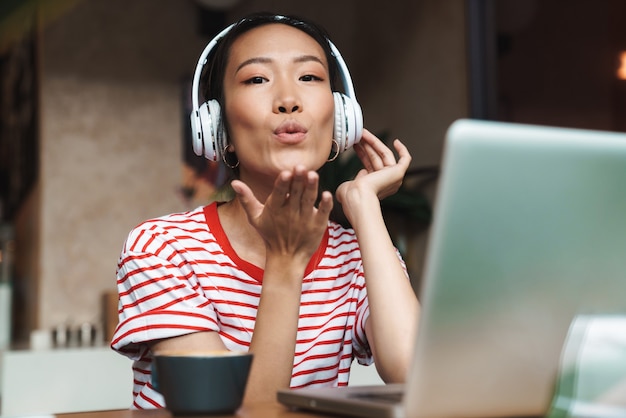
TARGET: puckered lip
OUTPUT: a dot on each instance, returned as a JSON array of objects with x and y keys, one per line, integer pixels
[
  {"x": 290, "y": 127},
  {"x": 290, "y": 132}
]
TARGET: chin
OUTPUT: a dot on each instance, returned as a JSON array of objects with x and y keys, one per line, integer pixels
[{"x": 289, "y": 162}]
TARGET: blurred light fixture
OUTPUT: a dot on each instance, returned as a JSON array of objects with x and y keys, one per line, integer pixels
[
  {"x": 621, "y": 71},
  {"x": 217, "y": 4}
]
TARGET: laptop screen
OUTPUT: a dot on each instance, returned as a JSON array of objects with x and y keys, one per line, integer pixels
[{"x": 529, "y": 231}]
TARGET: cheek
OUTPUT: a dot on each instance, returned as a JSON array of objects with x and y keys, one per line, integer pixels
[
  {"x": 237, "y": 113},
  {"x": 328, "y": 118}
]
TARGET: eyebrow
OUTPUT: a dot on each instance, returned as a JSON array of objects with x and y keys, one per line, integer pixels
[{"x": 265, "y": 60}]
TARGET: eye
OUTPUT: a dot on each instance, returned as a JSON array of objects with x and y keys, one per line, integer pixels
[
  {"x": 310, "y": 77},
  {"x": 256, "y": 80}
]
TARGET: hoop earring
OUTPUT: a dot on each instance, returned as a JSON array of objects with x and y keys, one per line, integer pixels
[
  {"x": 225, "y": 159},
  {"x": 334, "y": 154}
]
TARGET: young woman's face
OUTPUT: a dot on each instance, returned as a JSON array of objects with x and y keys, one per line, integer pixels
[{"x": 278, "y": 102}]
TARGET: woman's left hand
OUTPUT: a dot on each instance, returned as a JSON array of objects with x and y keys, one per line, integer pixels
[{"x": 382, "y": 174}]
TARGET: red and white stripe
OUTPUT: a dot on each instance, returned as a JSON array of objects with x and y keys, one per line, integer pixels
[{"x": 178, "y": 274}]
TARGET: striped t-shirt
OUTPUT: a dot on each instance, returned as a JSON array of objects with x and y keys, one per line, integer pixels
[{"x": 179, "y": 274}]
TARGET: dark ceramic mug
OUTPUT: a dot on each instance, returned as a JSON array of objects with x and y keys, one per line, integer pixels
[{"x": 194, "y": 383}]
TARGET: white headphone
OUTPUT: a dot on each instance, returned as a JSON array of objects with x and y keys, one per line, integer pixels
[{"x": 209, "y": 138}]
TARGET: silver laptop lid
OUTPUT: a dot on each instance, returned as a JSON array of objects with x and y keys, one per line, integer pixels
[{"x": 529, "y": 231}]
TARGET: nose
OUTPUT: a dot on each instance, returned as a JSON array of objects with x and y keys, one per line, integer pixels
[
  {"x": 287, "y": 100},
  {"x": 287, "y": 109}
]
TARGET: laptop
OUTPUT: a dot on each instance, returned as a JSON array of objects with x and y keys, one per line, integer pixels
[{"x": 529, "y": 231}]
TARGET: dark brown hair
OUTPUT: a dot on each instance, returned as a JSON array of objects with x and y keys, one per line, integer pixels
[{"x": 212, "y": 79}]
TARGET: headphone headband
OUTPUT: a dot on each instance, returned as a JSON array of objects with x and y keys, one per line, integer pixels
[{"x": 195, "y": 86}]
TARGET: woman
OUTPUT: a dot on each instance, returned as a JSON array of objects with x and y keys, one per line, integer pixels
[{"x": 267, "y": 271}]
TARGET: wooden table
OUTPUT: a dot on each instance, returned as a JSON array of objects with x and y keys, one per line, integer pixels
[{"x": 260, "y": 410}]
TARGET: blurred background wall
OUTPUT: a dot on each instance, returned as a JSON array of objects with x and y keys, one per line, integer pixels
[
  {"x": 98, "y": 92},
  {"x": 112, "y": 79}
]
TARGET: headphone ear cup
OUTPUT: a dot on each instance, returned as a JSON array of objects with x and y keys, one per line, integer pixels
[
  {"x": 355, "y": 127},
  {"x": 206, "y": 139},
  {"x": 196, "y": 133},
  {"x": 339, "y": 133},
  {"x": 217, "y": 136},
  {"x": 348, "y": 121}
]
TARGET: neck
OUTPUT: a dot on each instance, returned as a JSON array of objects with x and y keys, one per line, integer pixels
[{"x": 243, "y": 237}]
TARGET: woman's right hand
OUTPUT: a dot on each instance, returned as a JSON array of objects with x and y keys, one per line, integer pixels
[{"x": 288, "y": 221}]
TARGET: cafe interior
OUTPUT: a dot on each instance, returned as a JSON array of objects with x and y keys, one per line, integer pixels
[{"x": 94, "y": 139}]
